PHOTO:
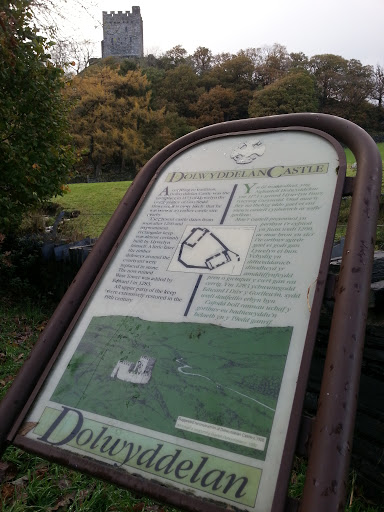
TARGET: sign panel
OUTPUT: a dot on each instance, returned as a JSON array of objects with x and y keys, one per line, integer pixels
[{"x": 183, "y": 365}]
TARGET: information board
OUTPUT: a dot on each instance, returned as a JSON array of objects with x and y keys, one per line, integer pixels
[{"x": 183, "y": 366}]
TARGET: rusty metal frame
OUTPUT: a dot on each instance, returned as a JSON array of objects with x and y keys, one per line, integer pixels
[{"x": 332, "y": 434}]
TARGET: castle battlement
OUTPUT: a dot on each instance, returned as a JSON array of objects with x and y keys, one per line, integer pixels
[
  {"x": 114, "y": 14},
  {"x": 123, "y": 33}
]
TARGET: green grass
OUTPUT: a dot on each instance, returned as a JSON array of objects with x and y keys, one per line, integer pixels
[
  {"x": 96, "y": 203},
  {"x": 351, "y": 157},
  {"x": 20, "y": 325},
  {"x": 346, "y": 203},
  {"x": 35, "y": 485},
  {"x": 355, "y": 502}
]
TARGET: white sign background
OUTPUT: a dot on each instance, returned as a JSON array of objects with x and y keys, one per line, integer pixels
[{"x": 145, "y": 270}]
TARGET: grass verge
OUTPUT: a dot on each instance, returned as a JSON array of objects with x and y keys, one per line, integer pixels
[{"x": 96, "y": 203}]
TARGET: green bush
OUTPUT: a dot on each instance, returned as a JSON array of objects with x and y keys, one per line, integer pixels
[{"x": 35, "y": 148}]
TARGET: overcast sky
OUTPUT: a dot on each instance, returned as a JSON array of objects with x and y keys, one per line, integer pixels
[{"x": 350, "y": 28}]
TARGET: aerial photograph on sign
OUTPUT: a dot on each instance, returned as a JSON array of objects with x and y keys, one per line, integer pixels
[{"x": 153, "y": 374}]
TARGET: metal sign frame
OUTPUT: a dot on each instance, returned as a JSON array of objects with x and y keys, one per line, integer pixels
[{"x": 332, "y": 435}]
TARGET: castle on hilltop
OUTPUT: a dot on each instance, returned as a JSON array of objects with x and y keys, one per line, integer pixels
[{"x": 122, "y": 34}]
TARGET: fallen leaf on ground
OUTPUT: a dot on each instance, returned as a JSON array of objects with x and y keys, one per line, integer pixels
[
  {"x": 20, "y": 337},
  {"x": 42, "y": 326},
  {"x": 6, "y": 380},
  {"x": 7, "y": 492},
  {"x": 63, "y": 502},
  {"x": 82, "y": 495},
  {"x": 64, "y": 483},
  {"x": 41, "y": 471},
  {"x": 20, "y": 481},
  {"x": 8, "y": 471},
  {"x": 20, "y": 494}
]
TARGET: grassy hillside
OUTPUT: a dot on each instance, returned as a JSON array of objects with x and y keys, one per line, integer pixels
[
  {"x": 346, "y": 203},
  {"x": 96, "y": 202}
]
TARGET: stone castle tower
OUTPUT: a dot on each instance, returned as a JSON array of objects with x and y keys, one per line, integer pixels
[{"x": 122, "y": 33}]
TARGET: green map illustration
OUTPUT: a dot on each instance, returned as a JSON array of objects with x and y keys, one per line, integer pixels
[{"x": 226, "y": 377}]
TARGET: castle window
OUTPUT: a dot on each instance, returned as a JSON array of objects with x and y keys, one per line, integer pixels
[{"x": 112, "y": 40}]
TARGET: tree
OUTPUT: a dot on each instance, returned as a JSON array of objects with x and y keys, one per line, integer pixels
[
  {"x": 173, "y": 57},
  {"x": 215, "y": 106},
  {"x": 36, "y": 155},
  {"x": 378, "y": 85},
  {"x": 112, "y": 121},
  {"x": 156, "y": 78},
  {"x": 130, "y": 64},
  {"x": 180, "y": 89},
  {"x": 202, "y": 60},
  {"x": 294, "y": 92},
  {"x": 344, "y": 88},
  {"x": 72, "y": 56},
  {"x": 298, "y": 60},
  {"x": 236, "y": 73},
  {"x": 356, "y": 89},
  {"x": 255, "y": 54},
  {"x": 329, "y": 71},
  {"x": 274, "y": 65},
  {"x": 358, "y": 83},
  {"x": 221, "y": 58}
]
